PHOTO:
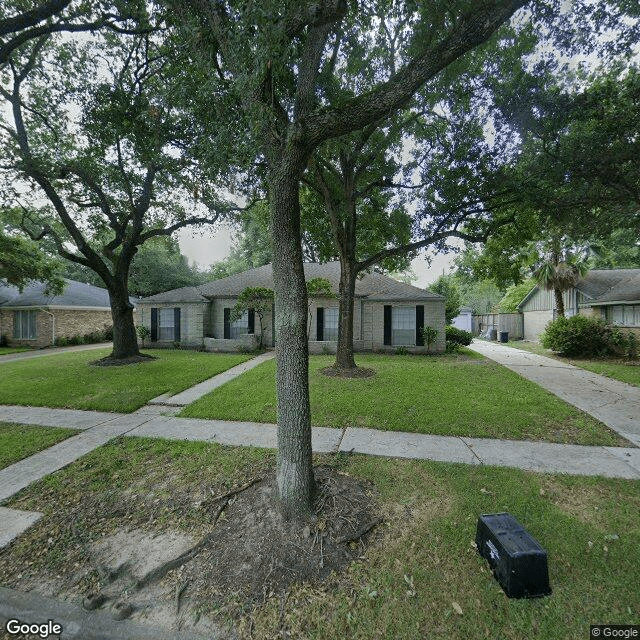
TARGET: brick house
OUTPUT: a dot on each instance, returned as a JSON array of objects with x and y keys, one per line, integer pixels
[
  {"x": 387, "y": 314},
  {"x": 36, "y": 318}
]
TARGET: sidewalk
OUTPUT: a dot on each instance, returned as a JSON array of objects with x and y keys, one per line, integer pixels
[{"x": 616, "y": 404}]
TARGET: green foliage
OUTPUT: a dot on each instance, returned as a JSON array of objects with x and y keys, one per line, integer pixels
[
  {"x": 143, "y": 332},
  {"x": 402, "y": 351},
  {"x": 87, "y": 338},
  {"x": 514, "y": 296},
  {"x": 446, "y": 286},
  {"x": 21, "y": 260},
  {"x": 456, "y": 338},
  {"x": 429, "y": 335},
  {"x": 585, "y": 337},
  {"x": 319, "y": 288},
  {"x": 260, "y": 299}
]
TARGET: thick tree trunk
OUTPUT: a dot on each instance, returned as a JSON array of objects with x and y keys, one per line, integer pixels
[
  {"x": 125, "y": 339},
  {"x": 559, "y": 302},
  {"x": 344, "y": 354},
  {"x": 294, "y": 463}
]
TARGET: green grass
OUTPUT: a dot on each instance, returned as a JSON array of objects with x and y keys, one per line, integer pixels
[
  {"x": 70, "y": 380},
  {"x": 18, "y": 441},
  {"x": 445, "y": 395},
  {"x": 624, "y": 370},
  {"x": 5, "y": 351},
  {"x": 589, "y": 527}
]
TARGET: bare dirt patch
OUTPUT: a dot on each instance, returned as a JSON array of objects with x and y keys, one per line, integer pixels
[
  {"x": 354, "y": 372},
  {"x": 240, "y": 553}
]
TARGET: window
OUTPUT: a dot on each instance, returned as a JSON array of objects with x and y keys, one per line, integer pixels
[
  {"x": 166, "y": 324},
  {"x": 403, "y": 325},
  {"x": 330, "y": 324},
  {"x": 24, "y": 325},
  {"x": 240, "y": 326}
]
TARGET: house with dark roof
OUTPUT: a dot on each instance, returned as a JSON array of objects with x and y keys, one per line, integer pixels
[
  {"x": 38, "y": 318},
  {"x": 610, "y": 294},
  {"x": 387, "y": 314}
]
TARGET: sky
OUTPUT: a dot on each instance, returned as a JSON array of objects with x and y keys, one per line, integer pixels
[{"x": 208, "y": 247}]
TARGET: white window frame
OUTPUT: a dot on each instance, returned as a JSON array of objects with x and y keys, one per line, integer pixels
[
  {"x": 403, "y": 326},
  {"x": 19, "y": 324},
  {"x": 166, "y": 324},
  {"x": 330, "y": 324},
  {"x": 240, "y": 327}
]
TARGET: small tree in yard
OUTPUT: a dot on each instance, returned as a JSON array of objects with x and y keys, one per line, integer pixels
[
  {"x": 429, "y": 334},
  {"x": 258, "y": 299},
  {"x": 143, "y": 332}
]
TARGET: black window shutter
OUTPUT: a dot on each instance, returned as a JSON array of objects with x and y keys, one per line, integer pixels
[
  {"x": 320, "y": 324},
  {"x": 387, "y": 324},
  {"x": 154, "y": 325},
  {"x": 176, "y": 324},
  {"x": 419, "y": 325},
  {"x": 227, "y": 323},
  {"x": 251, "y": 322}
]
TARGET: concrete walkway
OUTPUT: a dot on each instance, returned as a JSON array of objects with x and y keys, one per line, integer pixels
[
  {"x": 51, "y": 351},
  {"x": 615, "y": 403},
  {"x": 195, "y": 393}
]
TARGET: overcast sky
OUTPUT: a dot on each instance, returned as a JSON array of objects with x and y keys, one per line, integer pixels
[{"x": 206, "y": 248}]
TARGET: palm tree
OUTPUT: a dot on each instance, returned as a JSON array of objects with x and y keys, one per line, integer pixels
[{"x": 559, "y": 272}]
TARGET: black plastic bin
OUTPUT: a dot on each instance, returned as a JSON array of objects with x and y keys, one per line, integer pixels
[
  {"x": 516, "y": 559},
  {"x": 504, "y": 336}
]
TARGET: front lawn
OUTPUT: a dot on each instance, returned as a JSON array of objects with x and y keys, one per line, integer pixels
[
  {"x": 5, "y": 351},
  {"x": 19, "y": 441},
  {"x": 422, "y": 578},
  {"x": 624, "y": 370},
  {"x": 462, "y": 395},
  {"x": 69, "y": 380}
]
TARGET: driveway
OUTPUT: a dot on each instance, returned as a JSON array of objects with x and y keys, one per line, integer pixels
[{"x": 616, "y": 404}]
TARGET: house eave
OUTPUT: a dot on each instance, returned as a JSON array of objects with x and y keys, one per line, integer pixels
[{"x": 607, "y": 303}]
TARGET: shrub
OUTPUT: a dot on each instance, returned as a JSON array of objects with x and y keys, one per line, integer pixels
[
  {"x": 584, "y": 337},
  {"x": 402, "y": 351},
  {"x": 456, "y": 337},
  {"x": 143, "y": 333},
  {"x": 429, "y": 335}
]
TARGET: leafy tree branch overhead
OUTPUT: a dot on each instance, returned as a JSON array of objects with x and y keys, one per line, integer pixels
[{"x": 101, "y": 158}]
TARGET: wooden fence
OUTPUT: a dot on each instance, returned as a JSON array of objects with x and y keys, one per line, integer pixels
[{"x": 511, "y": 322}]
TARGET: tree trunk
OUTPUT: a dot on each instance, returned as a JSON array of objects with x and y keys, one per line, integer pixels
[
  {"x": 294, "y": 463},
  {"x": 559, "y": 302},
  {"x": 125, "y": 339},
  {"x": 344, "y": 354}
]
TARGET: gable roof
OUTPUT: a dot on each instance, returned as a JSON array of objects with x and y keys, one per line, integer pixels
[
  {"x": 75, "y": 294},
  {"x": 373, "y": 286},
  {"x": 604, "y": 286}
]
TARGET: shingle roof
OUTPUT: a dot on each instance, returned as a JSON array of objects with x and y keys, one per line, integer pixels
[
  {"x": 613, "y": 285},
  {"x": 75, "y": 294},
  {"x": 603, "y": 286},
  {"x": 7, "y": 292},
  {"x": 374, "y": 286}
]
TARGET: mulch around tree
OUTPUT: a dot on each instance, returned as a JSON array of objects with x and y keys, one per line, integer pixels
[{"x": 108, "y": 361}]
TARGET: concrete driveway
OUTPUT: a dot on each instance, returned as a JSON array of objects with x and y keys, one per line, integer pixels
[{"x": 616, "y": 404}]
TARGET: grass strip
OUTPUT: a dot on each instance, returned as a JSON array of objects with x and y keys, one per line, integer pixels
[
  {"x": 19, "y": 441},
  {"x": 445, "y": 395}
]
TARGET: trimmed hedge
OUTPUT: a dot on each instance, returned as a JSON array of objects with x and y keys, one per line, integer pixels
[{"x": 585, "y": 337}]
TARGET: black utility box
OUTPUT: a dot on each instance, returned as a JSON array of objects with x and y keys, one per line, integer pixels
[{"x": 518, "y": 562}]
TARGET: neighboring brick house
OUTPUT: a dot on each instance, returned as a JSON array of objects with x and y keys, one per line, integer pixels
[
  {"x": 35, "y": 318},
  {"x": 610, "y": 294},
  {"x": 387, "y": 314}
]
